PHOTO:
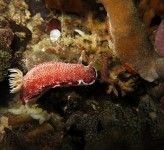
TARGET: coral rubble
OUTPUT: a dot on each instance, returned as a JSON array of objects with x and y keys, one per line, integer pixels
[{"x": 106, "y": 125}]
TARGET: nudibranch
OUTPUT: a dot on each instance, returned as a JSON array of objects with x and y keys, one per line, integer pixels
[{"x": 49, "y": 75}]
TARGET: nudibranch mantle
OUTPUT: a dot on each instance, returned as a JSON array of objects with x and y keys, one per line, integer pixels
[{"x": 49, "y": 75}]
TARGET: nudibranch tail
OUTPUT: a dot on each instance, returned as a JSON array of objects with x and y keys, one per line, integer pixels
[
  {"x": 93, "y": 75},
  {"x": 16, "y": 80}
]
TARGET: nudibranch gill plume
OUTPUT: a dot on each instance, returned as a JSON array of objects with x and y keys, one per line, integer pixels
[{"x": 49, "y": 75}]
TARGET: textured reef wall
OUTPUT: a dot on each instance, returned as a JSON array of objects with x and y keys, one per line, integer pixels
[{"x": 121, "y": 39}]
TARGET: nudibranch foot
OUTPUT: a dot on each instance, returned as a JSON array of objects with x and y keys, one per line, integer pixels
[
  {"x": 16, "y": 80},
  {"x": 34, "y": 111}
]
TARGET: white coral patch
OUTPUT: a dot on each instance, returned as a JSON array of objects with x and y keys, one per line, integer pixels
[
  {"x": 55, "y": 35},
  {"x": 34, "y": 111},
  {"x": 16, "y": 80}
]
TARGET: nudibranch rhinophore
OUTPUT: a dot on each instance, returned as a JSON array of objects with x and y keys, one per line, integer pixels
[{"x": 50, "y": 75}]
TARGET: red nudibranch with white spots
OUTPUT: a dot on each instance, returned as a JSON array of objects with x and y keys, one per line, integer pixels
[{"x": 49, "y": 75}]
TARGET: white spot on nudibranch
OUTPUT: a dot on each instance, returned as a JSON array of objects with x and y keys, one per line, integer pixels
[{"x": 55, "y": 35}]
